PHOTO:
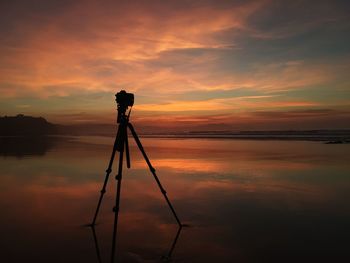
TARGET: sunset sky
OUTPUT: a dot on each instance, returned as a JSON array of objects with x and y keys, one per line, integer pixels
[{"x": 192, "y": 65}]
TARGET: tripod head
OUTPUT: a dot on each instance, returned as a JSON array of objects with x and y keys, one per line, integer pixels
[{"x": 124, "y": 101}]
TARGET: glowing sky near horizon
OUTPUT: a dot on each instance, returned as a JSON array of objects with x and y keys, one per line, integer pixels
[{"x": 215, "y": 65}]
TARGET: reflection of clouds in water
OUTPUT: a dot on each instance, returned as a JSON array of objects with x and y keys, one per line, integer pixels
[
  {"x": 186, "y": 165},
  {"x": 237, "y": 203}
]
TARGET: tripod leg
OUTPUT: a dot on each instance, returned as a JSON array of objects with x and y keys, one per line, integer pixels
[
  {"x": 103, "y": 190},
  {"x": 153, "y": 171},
  {"x": 127, "y": 154},
  {"x": 117, "y": 200}
]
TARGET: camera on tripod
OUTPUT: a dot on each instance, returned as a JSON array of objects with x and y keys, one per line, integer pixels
[{"x": 124, "y": 100}]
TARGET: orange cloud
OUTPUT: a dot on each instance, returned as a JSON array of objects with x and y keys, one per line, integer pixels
[
  {"x": 157, "y": 50},
  {"x": 92, "y": 48}
]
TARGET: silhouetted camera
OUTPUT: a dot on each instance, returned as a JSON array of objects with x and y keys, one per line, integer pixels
[{"x": 124, "y": 99}]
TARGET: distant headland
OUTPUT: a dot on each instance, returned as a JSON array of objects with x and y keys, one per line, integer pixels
[
  {"x": 25, "y": 125},
  {"x": 21, "y": 125}
]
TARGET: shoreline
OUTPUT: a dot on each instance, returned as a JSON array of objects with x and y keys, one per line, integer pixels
[{"x": 331, "y": 139}]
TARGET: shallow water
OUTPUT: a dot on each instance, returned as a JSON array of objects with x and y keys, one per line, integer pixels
[{"x": 244, "y": 201}]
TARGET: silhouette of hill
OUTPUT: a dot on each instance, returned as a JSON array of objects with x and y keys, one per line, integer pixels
[
  {"x": 22, "y": 125},
  {"x": 25, "y": 125}
]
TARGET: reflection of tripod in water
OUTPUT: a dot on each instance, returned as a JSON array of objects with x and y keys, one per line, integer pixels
[
  {"x": 165, "y": 258},
  {"x": 125, "y": 100}
]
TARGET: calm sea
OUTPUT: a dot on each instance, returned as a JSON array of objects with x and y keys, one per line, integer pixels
[{"x": 243, "y": 201}]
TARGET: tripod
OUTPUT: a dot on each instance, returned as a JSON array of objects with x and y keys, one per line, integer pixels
[{"x": 121, "y": 145}]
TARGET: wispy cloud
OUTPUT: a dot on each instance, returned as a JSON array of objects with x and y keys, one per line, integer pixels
[{"x": 177, "y": 56}]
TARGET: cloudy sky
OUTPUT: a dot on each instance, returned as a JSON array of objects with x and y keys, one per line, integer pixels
[{"x": 218, "y": 65}]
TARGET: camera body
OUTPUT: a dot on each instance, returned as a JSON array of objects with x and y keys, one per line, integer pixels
[{"x": 124, "y": 100}]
